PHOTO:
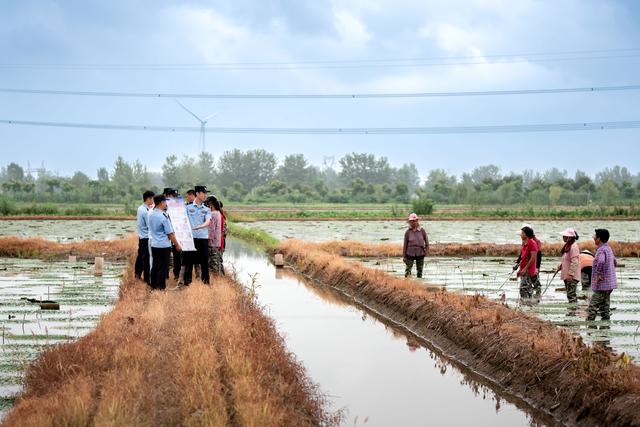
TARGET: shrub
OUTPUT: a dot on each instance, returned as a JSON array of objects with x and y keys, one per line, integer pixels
[{"x": 422, "y": 205}]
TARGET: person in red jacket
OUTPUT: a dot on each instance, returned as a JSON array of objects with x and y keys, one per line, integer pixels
[
  {"x": 416, "y": 246},
  {"x": 527, "y": 268}
]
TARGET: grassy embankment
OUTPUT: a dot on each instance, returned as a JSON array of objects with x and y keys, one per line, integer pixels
[
  {"x": 202, "y": 356},
  {"x": 542, "y": 363},
  {"x": 351, "y": 248}
]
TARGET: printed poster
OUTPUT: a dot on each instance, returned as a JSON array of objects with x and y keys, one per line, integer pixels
[{"x": 180, "y": 222}]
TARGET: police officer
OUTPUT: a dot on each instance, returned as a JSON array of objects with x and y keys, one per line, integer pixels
[
  {"x": 142, "y": 226},
  {"x": 191, "y": 196},
  {"x": 172, "y": 193},
  {"x": 199, "y": 216},
  {"x": 162, "y": 236}
]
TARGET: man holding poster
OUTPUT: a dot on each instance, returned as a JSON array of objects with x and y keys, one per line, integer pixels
[
  {"x": 162, "y": 236},
  {"x": 199, "y": 216}
]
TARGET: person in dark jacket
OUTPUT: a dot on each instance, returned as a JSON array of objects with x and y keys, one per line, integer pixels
[{"x": 416, "y": 246}]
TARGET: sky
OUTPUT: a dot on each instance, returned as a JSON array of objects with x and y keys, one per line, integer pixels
[{"x": 147, "y": 32}]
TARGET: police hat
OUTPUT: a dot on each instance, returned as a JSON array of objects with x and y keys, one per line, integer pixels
[
  {"x": 201, "y": 189},
  {"x": 159, "y": 199},
  {"x": 169, "y": 191}
]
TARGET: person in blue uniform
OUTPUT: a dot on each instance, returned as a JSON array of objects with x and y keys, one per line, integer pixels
[
  {"x": 172, "y": 193},
  {"x": 162, "y": 236},
  {"x": 143, "y": 265},
  {"x": 199, "y": 216}
]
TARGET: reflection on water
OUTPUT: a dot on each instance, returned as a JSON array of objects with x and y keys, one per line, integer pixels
[
  {"x": 374, "y": 371},
  {"x": 442, "y": 231},
  {"x": 26, "y": 329},
  {"x": 491, "y": 277}
]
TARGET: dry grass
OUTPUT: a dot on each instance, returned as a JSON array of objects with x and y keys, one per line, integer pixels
[
  {"x": 544, "y": 363},
  {"x": 202, "y": 356},
  {"x": 17, "y": 247},
  {"x": 360, "y": 249}
]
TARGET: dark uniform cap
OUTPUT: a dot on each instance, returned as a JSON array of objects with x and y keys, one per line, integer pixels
[
  {"x": 169, "y": 191},
  {"x": 201, "y": 189},
  {"x": 159, "y": 199}
]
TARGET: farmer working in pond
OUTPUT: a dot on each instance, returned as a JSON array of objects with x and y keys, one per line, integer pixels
[
  {"x": 603, "y": 277},
  {"x": 143, "y": 266},
  {"x": 162, "y": 236},
  {"x": 537, "y": 286},
  {"x": 570, "y": 263},
  {"x": 527, "y": 268},
  {"x": 416, "y": 246},
  {"x": 586, "y": 264}
]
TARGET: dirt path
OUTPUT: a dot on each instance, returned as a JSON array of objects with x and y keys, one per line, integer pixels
[{"x": 205, "y": 355}]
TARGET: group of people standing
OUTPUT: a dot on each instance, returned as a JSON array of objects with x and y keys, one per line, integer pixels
[
  {"x": 595, "y": 271},
  {"x": 158, "y": 246}
]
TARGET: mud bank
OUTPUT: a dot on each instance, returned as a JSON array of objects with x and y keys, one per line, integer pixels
[
  {"x": 199, "y": 356},
  {"x": 16, "y": 247},
  {"x": 361, "y": 249},
  {"x": 543, "y": 364}
]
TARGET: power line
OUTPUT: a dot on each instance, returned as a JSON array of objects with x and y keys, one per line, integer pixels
[
  {"x": 518, "y": 128},
  {"x": 321, "y": 96},
  {"x": 346, "y": 63}
]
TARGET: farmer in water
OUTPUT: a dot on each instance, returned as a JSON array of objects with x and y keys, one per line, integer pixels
[
  {"x": 603, "y": 277},
  {"x": 569, "y": 267},
  {"x": 537, "y": 286},
  {"x": 527, "y": 267},
  {"x": 416, "y": 246}
]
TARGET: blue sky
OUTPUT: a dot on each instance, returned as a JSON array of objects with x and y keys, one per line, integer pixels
[{"x": 239, "y": 31}]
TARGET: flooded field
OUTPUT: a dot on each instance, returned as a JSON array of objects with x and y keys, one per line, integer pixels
[
  {"x": 490, "y": 276},
  {"x": 442, "y": 231},
  {"x": 26, "y": 328},
  {"x": 374, "y": 371},
  {"x": 68, "y": 230}
]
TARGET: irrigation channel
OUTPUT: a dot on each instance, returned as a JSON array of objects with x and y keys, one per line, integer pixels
[
  {"x": 381, "y": 374},
  {"x": 26, "y": 329},
  {"x": 493, "y": 277}
]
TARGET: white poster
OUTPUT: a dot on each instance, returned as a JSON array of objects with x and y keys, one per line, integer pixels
[{"x": 180, "y": 222}]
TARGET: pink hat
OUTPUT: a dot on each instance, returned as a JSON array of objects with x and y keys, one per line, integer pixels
[
  {"x": 569, "y": 232},
  {"x": 413, "y": 217}
]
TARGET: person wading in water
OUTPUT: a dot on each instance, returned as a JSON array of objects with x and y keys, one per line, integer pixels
[{"x": 416, "y": 246}]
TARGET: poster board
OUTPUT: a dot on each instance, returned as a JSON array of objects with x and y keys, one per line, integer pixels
[{"x": 180, "y": 222}]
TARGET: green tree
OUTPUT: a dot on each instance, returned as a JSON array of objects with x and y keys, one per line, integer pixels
[
  {"x": 366, "y": 167},
  {"x": 14, "y": 172},
  {"x": 295, "y": 168}
]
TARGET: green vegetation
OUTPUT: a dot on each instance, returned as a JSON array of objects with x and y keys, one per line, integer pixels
[
  {"x": 257, "y": 177},
  {"x": 254, "y": 236}
]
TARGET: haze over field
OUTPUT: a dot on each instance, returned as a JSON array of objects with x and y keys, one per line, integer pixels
[{"x": 118, "y": 46}]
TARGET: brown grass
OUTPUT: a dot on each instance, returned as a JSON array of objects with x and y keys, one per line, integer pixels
[
  {"x": 202, "y": 356},
  {"x": 360, "y": 249},
  {"x": 17, "y": 247},
  {"x": 543, "y": 363}
]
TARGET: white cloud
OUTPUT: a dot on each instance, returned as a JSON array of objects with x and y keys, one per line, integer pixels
[{"x": 351, "y": 30}]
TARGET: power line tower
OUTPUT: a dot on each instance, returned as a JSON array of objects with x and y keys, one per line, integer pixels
[
  {"x": 40, "y": 171},
  {"x": 328, "y": 162}
]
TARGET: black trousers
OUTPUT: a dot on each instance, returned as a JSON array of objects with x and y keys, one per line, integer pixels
[
  {"x": 142, "y": 261},
  {"x": 160, "y": 267},
  {"x": 201, "y": 257},
  {"x": 177, "y": 262}
]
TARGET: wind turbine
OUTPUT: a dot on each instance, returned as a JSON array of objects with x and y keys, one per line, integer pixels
[{"x": 203, "y": 122}]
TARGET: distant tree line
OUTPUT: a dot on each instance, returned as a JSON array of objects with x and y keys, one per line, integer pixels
[{"x": 258, "y": 176}]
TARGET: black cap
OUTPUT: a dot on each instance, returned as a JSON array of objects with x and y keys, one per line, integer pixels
[
  {"x": 201, "y": 189},
  {"x": 170, "y": 191},
  {"x": 159, "y": 199}
]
